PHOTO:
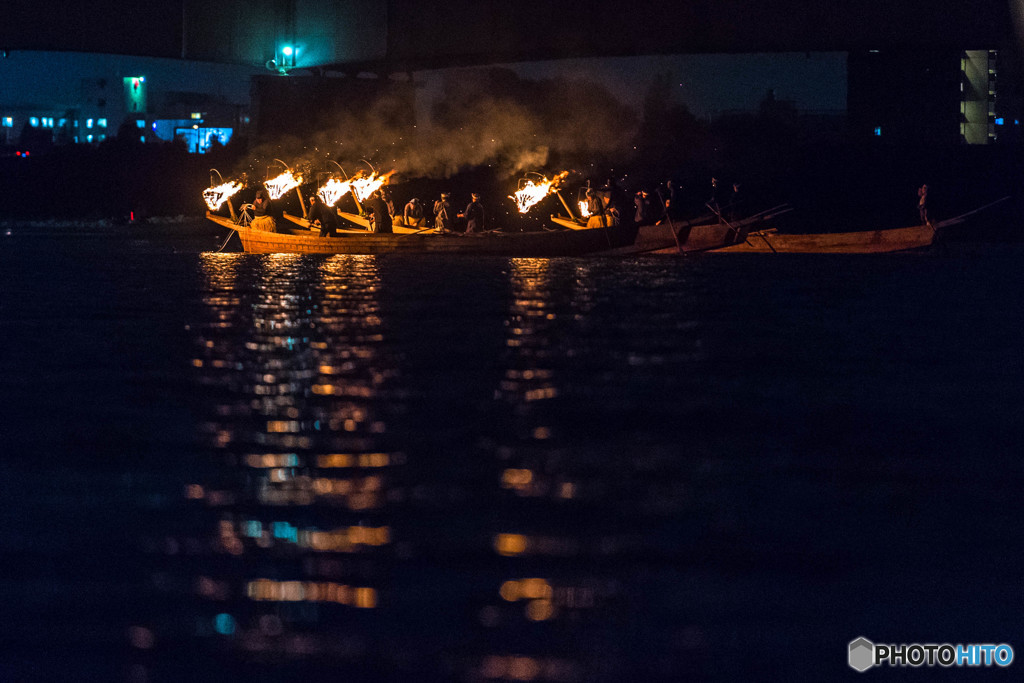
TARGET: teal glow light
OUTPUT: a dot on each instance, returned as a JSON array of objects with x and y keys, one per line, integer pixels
[{"x": 224, "y": 624}]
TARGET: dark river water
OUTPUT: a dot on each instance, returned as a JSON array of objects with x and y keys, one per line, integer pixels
[{"x": 230, "y": 467}]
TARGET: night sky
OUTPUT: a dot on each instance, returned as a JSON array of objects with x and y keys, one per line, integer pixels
[{"x": 545, "y": 29}]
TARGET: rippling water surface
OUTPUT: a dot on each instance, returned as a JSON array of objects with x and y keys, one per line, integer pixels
[{"x": 219, "y": 466}]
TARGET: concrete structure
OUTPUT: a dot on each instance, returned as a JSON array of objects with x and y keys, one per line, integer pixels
[{"x": 64, "y": 97}]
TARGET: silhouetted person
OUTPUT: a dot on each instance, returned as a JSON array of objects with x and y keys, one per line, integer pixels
[
  {"x": 713, "y": 202},
  {"x": 619, "y": 204},
  {"x": 733, "y": 201},
  {"x": 380, "y": 219},
  {"x": 474, "y": 215},
  {"x": 922, "y": 204},
  {"x": 646, "y": 208},
  {"x": 443, "y": 218},
  {"x": 322, "y": 216},
  {"x": 385, "y": 194},
  {"x": 262, "y": 212},
  {"x": 671, "y": 208},
  {"x": 595, "y": 206},
  {"x": 413, "y": 213}
]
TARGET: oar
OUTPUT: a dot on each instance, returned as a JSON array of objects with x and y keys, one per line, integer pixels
[
  {"x": 231, "y": 233},
  {"x": 429, "y": 227}
]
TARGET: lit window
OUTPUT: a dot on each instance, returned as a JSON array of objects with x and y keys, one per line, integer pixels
[
  {"x": 88, "y": 123},
  {"x": 140, "y": 123},
  {"x": 88, "y": 138},
  {"x": 62, "y": 123},
  {"x": 8, "y": 122},
  {"x": 878, "y": 131},
  {"x": 197, "y": 115},
  {"x": 999, "y": 121},
  {"x": 102, "y": 123},
  {"x": 101, "y": 138},
  {"x": 33, "y": 121},
  {"x": 142, "y": 138}
]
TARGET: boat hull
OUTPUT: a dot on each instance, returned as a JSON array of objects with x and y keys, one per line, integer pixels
[
  {"x": 865, "y": 242},
  {"x": 527, "y": 244}
]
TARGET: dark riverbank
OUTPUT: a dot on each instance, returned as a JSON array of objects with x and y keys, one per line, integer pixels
[{"x": 832, "y": 187}]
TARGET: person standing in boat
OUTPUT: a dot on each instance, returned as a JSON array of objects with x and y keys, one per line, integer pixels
[
  {"x": 922, "y": 204},
  {"x": 443, "y": 213},
  {"x": 385, "y": 194},
  {"x": 647, "y": 209},
  {"x": 413, "y": 213},
  {"x": 262, "y": 212},
  {"x": 713, "y": 202},
  {"x": 474, "y": 215},
  {"x": 322, "y": 216},
  {"x": 669, "y": 197},
  {"x": 380, "y": 219}
]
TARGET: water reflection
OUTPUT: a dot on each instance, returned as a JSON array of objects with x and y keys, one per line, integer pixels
[
  {"x": 375, "y": 498},
  {"x": 290, "y": 514}
]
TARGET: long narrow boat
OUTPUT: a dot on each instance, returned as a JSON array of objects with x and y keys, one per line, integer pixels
[
  {"x": 860, "y": 242},
  {"x": 298, "y": 240},
  {"x": 702, "y": 233},
  {"x": 354, "y": 229}
]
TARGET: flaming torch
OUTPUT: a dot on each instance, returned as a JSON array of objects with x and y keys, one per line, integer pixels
[
  {"x": 584, "y": 208},
  {"x": 364, "y": 186},
  {"x": 531, "y": 193},
  {"x": 216, "y": 196},
  {"x": 281, "y": 184},
  {"x": 333, "y": 190}
]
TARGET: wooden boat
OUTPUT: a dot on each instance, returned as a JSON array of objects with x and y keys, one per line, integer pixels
[
  {"x": 860, "y": 242},
  {"x": 298, "y": 240},
  {"x": 304, "y": 223},
  {"x": 702, "y": 233},
  {"x": 578, "y": 224},
  {"x": 363, "y": 223}
]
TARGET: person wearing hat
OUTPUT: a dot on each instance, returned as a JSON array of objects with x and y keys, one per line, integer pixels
[
  {"x": 413, "y": 213},
  {"x": 262, "y": 211},
  {"x": 322, "y": 216},
  {"x": 443, "y": 213},
  {"x": 474, "y": 215},
  {"x": 380, "y": 219}
]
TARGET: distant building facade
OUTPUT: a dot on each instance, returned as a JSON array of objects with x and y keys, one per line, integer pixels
[
  {"x": 58, "y": 98},
  {"x": 942, "y": 97}
]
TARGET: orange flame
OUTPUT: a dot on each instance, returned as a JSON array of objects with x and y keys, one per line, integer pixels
[
  {"x": 216, "y": 196},
  {"x": 333, "y": 190},
  {"x": 531, "y": 192},
  {"x": 364, "y": 186},
  {"x": 281, "y": 184}
]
